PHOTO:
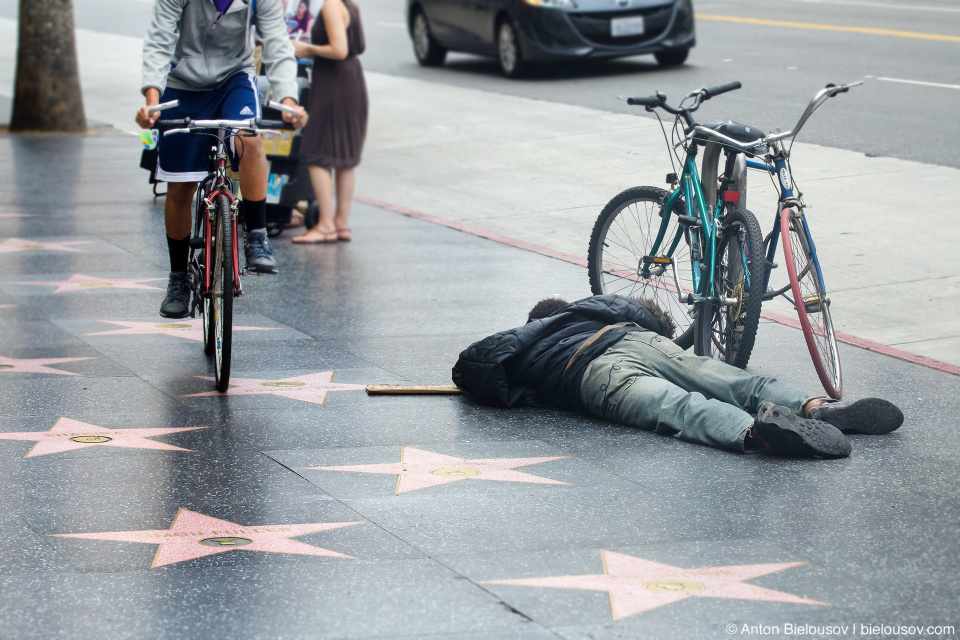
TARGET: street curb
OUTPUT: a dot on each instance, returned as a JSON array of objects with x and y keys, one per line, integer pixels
[{"x": 845, "y": 338}]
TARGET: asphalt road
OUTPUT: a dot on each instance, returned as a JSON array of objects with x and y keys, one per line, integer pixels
[{"x": 781, "y": 67}]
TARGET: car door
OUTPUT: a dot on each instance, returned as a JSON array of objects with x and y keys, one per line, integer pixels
[{"x": 478, "y": 19}]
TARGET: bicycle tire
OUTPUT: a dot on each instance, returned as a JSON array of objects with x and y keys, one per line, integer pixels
[
  {"x": 728, "y": 333},
  {"x": 603, "y": 261},
  {"x": 222, "y": 292},
  {"x": 811, "y": 302}
]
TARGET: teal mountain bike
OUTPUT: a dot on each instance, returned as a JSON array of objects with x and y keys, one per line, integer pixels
[{"x": 701, "y": 262}]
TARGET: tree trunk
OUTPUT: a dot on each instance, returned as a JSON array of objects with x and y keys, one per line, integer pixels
[{"x": 47, "y": 90}]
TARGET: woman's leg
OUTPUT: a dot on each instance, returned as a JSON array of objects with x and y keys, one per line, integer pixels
[
  {"x": 325, "y": 231},
  {"x": 346, "y": 181}
]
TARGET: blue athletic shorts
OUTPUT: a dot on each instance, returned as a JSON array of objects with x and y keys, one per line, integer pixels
[{"x": 186, "y": 158}]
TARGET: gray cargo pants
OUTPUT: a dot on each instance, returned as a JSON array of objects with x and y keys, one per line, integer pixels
[{"x": 646, "y": 381}]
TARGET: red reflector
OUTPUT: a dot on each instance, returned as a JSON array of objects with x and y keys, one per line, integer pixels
[{"x": 731, "y": 196}]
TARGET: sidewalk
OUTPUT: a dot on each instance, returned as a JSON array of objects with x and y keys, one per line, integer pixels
[
  {"x": 124, "y": 475},
  {"x": 541, "y": 172}
]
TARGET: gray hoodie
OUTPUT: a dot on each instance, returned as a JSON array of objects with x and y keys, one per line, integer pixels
[{"x": 203, "y": 56}]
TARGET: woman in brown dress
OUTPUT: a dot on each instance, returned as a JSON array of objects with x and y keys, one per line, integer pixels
[{"x": 333, "y": 138}]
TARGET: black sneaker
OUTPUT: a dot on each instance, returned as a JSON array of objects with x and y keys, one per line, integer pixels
[
  {"x": 781, "y": 432},
  {"x": 259, "y": 253},
  {"x": 177, "y": 302},
  {"x": 869, "y": 415}
]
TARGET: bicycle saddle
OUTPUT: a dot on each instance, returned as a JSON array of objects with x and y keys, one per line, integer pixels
[{"x": 737, "y": 131}]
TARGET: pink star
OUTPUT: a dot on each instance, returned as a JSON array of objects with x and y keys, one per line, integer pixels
[
  {"x": 188, "y": 328},
  {"x": 36, "y": 365},
  {"x": 312, "y": 388},
  {"x": 80, "y": 282},
  {"x": 636, "y": 585},
  {"x": 11, "y": 245},
  {"x": 68, "y": 434},
  {"x": 194, "y": 535},
  {"x": 419, "y": 469},
  {"x": 17, "y": 215}
]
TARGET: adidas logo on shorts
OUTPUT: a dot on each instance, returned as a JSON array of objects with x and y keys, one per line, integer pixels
[{"x": 246, "y": 111}]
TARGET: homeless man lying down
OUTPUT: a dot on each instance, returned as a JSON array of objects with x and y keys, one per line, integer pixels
[{"x": 613, "y": 357}]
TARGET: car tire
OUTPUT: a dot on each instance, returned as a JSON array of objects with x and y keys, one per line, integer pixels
[
  {"x": 672, "y": 57},
  {"x": 509, "y": 52},
  {"x": 428, "y": 51}
]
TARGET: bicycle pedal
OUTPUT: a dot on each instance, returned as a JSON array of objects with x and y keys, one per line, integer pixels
[{"x": 770, "y": 265}]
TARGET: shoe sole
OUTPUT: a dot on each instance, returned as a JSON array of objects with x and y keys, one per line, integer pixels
[
  {"x": 804, "y": 437},
  {"x": 254, "y": 269},
  {"x": 871, "y": 416},
  {"x": 164, "y": 314}
]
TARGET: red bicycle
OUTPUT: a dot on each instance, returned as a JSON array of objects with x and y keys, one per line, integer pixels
[{"x": 214, "y": 248}]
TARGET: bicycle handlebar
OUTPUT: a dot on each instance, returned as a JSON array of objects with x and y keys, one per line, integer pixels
[
  {"x": 712, "y": 92},
  {"x": 282, "y": 107},
  {"x": 160, "y": 107},
  {"x": 186, "y": 125}
]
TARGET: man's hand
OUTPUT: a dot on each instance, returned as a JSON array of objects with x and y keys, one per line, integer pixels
[
  {"x": 300, "y": 120},
  {"x": 144, "y": 119}
]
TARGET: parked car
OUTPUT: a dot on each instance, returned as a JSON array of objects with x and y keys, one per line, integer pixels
[{"x": 521, "y": 32}]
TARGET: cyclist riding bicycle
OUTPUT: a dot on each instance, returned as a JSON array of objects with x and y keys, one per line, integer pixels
[{"x": 200, "y": 53}]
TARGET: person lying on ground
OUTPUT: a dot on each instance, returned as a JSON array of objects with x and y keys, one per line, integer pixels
[{"x": 613, "y": 357}]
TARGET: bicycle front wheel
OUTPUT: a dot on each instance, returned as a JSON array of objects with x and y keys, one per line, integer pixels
[
  {"x": 811, "y": 301},
  {"x": 622, "y": 236},
  {"x": 727, "y": 331},
  {"x": 222, "y": 291}
]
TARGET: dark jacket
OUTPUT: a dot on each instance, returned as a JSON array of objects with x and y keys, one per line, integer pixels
[{"x": 528, "y": 365}]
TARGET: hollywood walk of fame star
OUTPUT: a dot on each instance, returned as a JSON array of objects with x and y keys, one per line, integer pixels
[
  {"x": 187, "y": 328},
  {"x": 17, "y": 215},
  {"x": 80, "y": 282},
  {"x": 636, "y": 585},
  {"x": 194, "y": 535},
  {"x": 312, "y": 388},
  {"x": 37, "y": 365},
  {"x": 419, "y": 469},
  {"x": 68, "y": 434},
  {"x": 11, "y": 245}
]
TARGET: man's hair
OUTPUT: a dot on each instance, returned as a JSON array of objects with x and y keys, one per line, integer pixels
[
  {"x": 666, "y": 322},
  {"x": 546, "y": 307}
]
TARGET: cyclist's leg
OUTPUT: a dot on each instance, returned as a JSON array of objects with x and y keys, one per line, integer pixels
[
  {"x": 182, "y": 162},
  {"x": 240, "y": 100}
]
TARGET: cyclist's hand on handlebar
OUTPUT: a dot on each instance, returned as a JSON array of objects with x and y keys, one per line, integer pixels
[
  {"x": 300, "y": 119},
  {"x": 145, "y": 119}
]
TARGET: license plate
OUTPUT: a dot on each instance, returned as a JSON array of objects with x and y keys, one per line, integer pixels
[{"x": 620, "y": 27}]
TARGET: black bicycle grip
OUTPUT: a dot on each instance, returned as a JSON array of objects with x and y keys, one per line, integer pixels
[
  {"x": 171, "y": 124},
  {"x": 275, "y": 124},
  {"x": 649, "y": 101},
  {"x": 715, "y": 91}
]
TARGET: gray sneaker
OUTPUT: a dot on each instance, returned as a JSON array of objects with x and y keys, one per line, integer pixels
[
  {"x": 259, "y": 252},
  {"x": 177, "y": 302},
  {"x": 780, "y": 432}
]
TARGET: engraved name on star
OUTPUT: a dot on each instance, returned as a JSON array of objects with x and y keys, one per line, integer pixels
[
  {"x": 68, "y": 434},
  {"x": 195, "y": 535},
  {"x": 12, "y": 245},
  {"x": 188, "y": 328},
  {"x": 636, "y": 585},
  {"x": 80, "y": 282},
  {"x": 311, "y": 388},
  {"x": 37, "y": 365},
  {"x": 419, "y": 469}
]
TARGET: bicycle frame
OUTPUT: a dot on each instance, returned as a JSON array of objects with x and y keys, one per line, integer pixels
[
  {"x": 780, "y": 168},
  {"x": 220, "y": 186},
  {"x": 696, "y": 207}
]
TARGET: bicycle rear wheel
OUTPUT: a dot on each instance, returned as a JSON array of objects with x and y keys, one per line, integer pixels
[
  {"x": 811, "y": 301},
  {"x": 727, "y": 332},
  {"x": 222, "y": 291},
  {"x": 623, "y": 234}
]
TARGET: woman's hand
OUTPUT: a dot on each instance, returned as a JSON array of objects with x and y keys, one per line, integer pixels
[{"x": 301, "y": 49}]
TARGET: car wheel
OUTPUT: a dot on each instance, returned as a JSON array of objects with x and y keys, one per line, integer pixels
[
  {"x": 509, "y": 53},
  {"x": 428, "y": 51},
  {"x": 672, "y": 57}
]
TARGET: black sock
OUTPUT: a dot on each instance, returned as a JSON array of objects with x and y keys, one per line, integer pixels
[
  {"x": 179, "y": 252},
  {"x": 254, "y": 213}
]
